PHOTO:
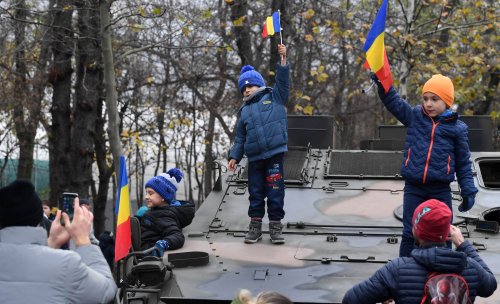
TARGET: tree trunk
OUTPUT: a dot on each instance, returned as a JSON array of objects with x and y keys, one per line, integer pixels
[
  {"x": 239, "y": 9},
  {"x": 105, "y": 171},
  {"x": 60, "y": 78},
  {"x": 27, "y": 115},
  {"x": 405, "y": 67},
  {"x": 110, "y": 83},
  {"x": 212, "y": 107},
  {"x": 209, "y": 157},
  {"x": 491, "y": 96},
  {"x": 88, "y": 94}
]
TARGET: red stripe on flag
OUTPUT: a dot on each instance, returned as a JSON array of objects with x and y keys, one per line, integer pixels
[
  {"x": 384, "y": 74},
  {"x": 123, "y": 240},
  {"x": 264, "y": 30},
  {"x": 366, "y": 65}
]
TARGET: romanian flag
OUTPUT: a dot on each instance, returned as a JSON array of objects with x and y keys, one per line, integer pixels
[
  {"x": 122, "y": 208},
  {"x": 376, "y": 56},
  {"x": 271, "y": 25}
]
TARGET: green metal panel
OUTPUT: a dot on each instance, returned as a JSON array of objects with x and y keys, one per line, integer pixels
[{"x": 39, "y": 175}]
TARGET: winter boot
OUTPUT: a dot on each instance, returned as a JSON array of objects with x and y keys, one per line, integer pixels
[
  {"x": 254, "y": 232},
  {"x": 275, "y": 229}
]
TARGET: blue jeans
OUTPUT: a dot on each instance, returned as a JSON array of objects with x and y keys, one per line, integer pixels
[
  {"x": 414, "y": 195},
  {"x": 266, "y": 180}
]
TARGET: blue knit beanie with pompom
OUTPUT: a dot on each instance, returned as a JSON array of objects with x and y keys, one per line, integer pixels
[
  {"x": 250, "y": 77},
  {"x": 166, "y": 184}
]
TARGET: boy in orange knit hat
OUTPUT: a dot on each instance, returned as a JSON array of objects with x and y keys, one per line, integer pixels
[{"x": 436, "y": 150}]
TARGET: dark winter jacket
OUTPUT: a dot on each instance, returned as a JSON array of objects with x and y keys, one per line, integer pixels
[
  {"x": 107, "y": 245},
  {"x": 435, "y": 150},
  {"x": 403, "y": 279},
  {"x": 166, "y": 223},
  {"x": 262, "y": 128}
]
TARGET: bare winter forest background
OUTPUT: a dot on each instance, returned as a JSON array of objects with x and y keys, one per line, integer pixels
[{"x": 87, "y": 80}]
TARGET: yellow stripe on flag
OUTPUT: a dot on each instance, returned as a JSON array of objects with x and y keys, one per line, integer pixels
[
  {"x": 375, "y": 55},
  {"x": 124, "y": 211},
  {"x": 270, "y": 26}
]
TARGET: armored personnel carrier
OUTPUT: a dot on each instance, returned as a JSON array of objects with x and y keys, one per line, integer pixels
[{"x": 342, "y": 223}]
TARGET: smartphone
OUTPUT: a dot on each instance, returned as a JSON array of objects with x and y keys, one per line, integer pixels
[{"x": 67, "y": 204}]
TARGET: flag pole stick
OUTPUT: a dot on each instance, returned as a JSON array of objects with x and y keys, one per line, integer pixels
[
  {"x": 279, "y": 18},
  {"x": 281, "y": 29},
  {"x": 365, "y": 91}
]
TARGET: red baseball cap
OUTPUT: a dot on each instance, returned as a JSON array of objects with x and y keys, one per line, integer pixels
[{"x": 431, "y": 221}]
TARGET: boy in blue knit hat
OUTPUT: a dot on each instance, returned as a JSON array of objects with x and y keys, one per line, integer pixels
[
  {"x": 161, "y": 225},
  {"x": 262, "y": 134}
]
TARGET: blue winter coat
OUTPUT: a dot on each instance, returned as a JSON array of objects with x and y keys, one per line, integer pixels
[
  {"x": 403, "y": 279},
  {"x": 262, "y": 128},
  {"x": 435, "y": 150}
]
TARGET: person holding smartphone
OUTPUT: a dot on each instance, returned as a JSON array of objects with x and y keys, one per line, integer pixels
[{"x": 32, "y": 267}]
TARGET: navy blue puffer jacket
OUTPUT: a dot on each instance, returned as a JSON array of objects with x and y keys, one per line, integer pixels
[
  {"x": 435, "y": 150},
  {"x": 262, "y": 128},
  {"x": 403, "y": 279}
]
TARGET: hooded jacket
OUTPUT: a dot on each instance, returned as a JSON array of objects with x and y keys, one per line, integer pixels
[
  {"x": 435, "y": 150},
  {"x": 403, "y": 279},
  {"x": 166, "y": 223},
  {"x": 31, "y": 272},
  {"x": 262, "y": 128}
]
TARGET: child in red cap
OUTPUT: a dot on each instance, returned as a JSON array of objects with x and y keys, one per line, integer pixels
[
  {"x": 436, "y": 150},
  {"x": 431, "y": 221},
  {"x": 403, "y": 280}
]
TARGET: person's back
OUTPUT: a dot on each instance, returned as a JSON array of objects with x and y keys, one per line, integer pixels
[
  {"x": 32, "y": 270},
  {"x": 403, "y": 279}
]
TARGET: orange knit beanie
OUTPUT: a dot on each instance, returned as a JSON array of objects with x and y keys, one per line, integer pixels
[{"x": 442, "y": 87}]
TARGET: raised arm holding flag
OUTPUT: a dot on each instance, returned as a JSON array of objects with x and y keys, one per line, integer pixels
[{"x": 436, "y": 144}]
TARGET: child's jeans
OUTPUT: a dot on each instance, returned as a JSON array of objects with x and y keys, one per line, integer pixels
[
  {"x": 414, "y": 195},
  {"x": 265, "y": 179}
]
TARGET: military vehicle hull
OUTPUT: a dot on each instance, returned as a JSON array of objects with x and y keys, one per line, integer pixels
[{"x": 342, "y": 223}]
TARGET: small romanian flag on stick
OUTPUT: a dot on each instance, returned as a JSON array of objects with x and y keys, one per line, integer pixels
[
  {"x": 122, "y": 208},
  {"x": 272, "y": 25},
  {"x": 376, "y": 56}
]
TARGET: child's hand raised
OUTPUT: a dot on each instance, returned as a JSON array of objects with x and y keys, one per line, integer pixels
[{"x": 282, "y": 52}]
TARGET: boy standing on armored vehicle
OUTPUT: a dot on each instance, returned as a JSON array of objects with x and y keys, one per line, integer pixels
[
  {"x": 262, "y": 134},
  {"x": 436, "y": 149}
]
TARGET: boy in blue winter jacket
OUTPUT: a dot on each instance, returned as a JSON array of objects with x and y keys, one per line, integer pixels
[
  {"x": 262, "y": 134},
  {"x": 436, "y": 149}
]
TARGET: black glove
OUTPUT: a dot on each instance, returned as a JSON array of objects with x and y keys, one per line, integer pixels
[
  {"x": 467, "y": 203},
  {"x": 380, "y": 87}
]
